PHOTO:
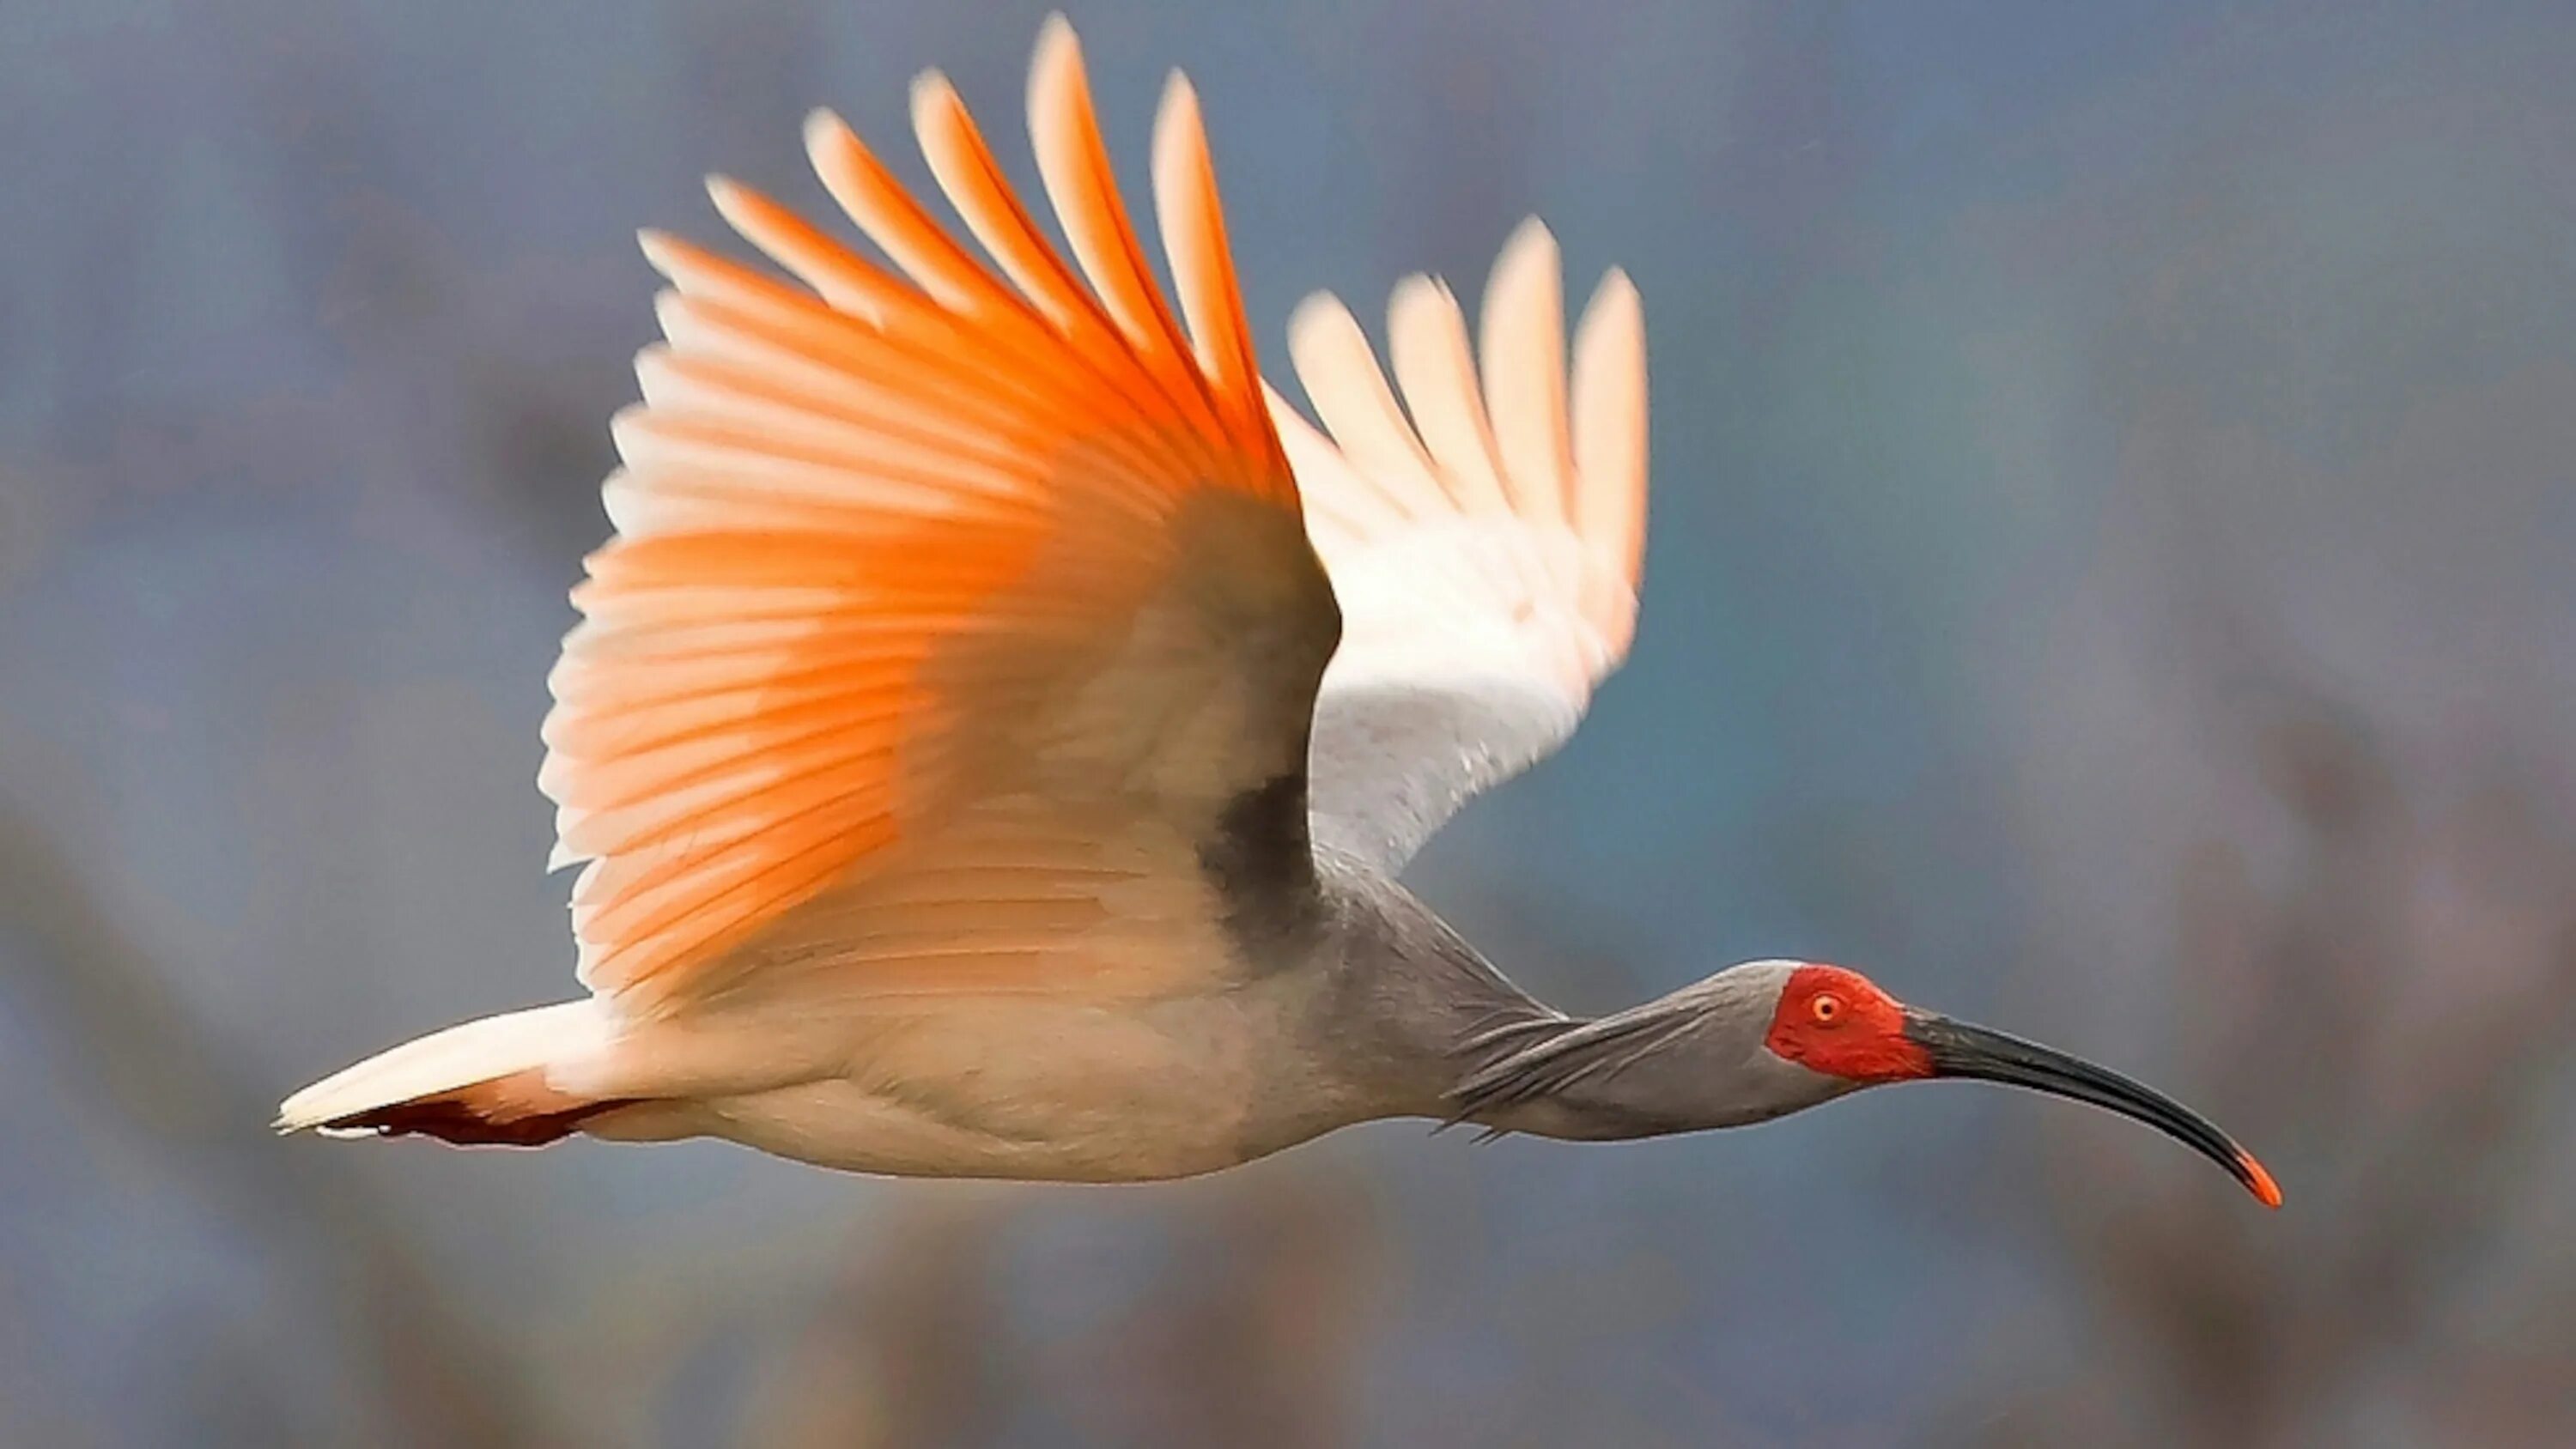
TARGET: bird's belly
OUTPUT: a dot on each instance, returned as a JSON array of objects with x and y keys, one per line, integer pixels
[{"x": 1046, "y": 1092}]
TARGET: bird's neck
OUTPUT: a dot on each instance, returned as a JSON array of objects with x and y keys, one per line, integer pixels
[
  {"x": 1415, "y": 1022},
  {"x": 1680, "y": 1063}
]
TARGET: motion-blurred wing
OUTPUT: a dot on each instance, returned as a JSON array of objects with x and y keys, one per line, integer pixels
[
  {"x": 1485, "y": 551},
  {"x": 957, "y": 633}
]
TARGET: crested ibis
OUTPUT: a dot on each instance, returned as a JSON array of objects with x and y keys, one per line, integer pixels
[{"x": 999, "y": 719}]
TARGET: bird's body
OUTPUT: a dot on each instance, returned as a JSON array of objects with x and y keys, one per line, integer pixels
[
  {"x": 1292, "y": 1038},
  {"x": 1341, "y": 1026},
  {"x": 999, "y": 722},
  {"x": 1032, "y": 1090}
]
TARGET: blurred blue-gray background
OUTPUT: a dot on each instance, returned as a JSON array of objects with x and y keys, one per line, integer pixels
[{"x": 2116, "y": 473}]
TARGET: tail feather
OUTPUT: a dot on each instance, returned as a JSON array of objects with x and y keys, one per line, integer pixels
[{"x": 483, "y": 1082}]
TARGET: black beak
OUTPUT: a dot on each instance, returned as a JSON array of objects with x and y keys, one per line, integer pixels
[{"x": 1958, "y": 1049}]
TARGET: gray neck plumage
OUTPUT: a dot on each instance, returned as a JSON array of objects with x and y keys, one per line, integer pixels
[
  {"x": 1469, "y": 1046},
  {"x": 1684, "y": 1062}
]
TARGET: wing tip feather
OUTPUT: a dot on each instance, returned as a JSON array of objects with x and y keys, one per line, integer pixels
[
  {"x": 1195, "y": 246},
  {"x": 1055, "y": 36},
  {"x": 1610, "y": 421},
  {"x": 659, "y": 247},
  {"x": 1531, "y": 246},
  {"x": 1311, "y": 317},
  {"x": 1055, "y": 63},
  {"x": 1178, "y": 105},
  {"x": 821, "y": 126}
]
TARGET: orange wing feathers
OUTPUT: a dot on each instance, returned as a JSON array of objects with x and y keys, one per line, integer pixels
[{"x": 908, "y": 540}]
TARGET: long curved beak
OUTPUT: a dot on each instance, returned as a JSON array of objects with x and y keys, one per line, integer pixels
[{"x": 1958, "y": 1049}]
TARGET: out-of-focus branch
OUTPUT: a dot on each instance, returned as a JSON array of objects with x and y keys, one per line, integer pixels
[
  {"x": 2414, "y": 1109},
  {"x": 155, "y": 1065},
  {"x": 1252, "y": 1334}
]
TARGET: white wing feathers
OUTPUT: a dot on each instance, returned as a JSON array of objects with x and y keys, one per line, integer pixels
[{"x": 1485, "y": 551}]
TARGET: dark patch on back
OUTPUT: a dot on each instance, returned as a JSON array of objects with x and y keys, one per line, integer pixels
[{"x": 1263, "y": 868}]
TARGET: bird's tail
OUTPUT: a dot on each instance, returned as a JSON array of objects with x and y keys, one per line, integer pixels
[{"x": 484, "y": 1082}]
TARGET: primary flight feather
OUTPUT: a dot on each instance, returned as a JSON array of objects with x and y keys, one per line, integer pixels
[{"x": 998, "y": 720}]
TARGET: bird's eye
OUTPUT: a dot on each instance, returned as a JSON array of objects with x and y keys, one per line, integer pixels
[{"x": 1826, "y": 1009}]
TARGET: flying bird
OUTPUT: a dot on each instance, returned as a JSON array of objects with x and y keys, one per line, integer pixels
[{"x": 999, "y": 720}]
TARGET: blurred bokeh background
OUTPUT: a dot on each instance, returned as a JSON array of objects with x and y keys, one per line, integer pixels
[{"x": 2112, "y": 577}]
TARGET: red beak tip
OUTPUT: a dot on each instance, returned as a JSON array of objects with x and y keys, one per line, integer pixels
[{"x": 2259, "y": 1182}]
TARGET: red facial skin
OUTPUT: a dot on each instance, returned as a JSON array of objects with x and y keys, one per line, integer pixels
[{"x": 1834, "y": 1021}]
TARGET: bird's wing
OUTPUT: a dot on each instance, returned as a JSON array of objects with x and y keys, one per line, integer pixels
[
  {"x": 960, "y": 625},
  {"x": 1485, "y": 549}
]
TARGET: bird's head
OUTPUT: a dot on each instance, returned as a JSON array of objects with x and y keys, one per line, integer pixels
[
  {"x": 1768, "y": 1038},
  {"x": 1838, "y": 1024}
]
